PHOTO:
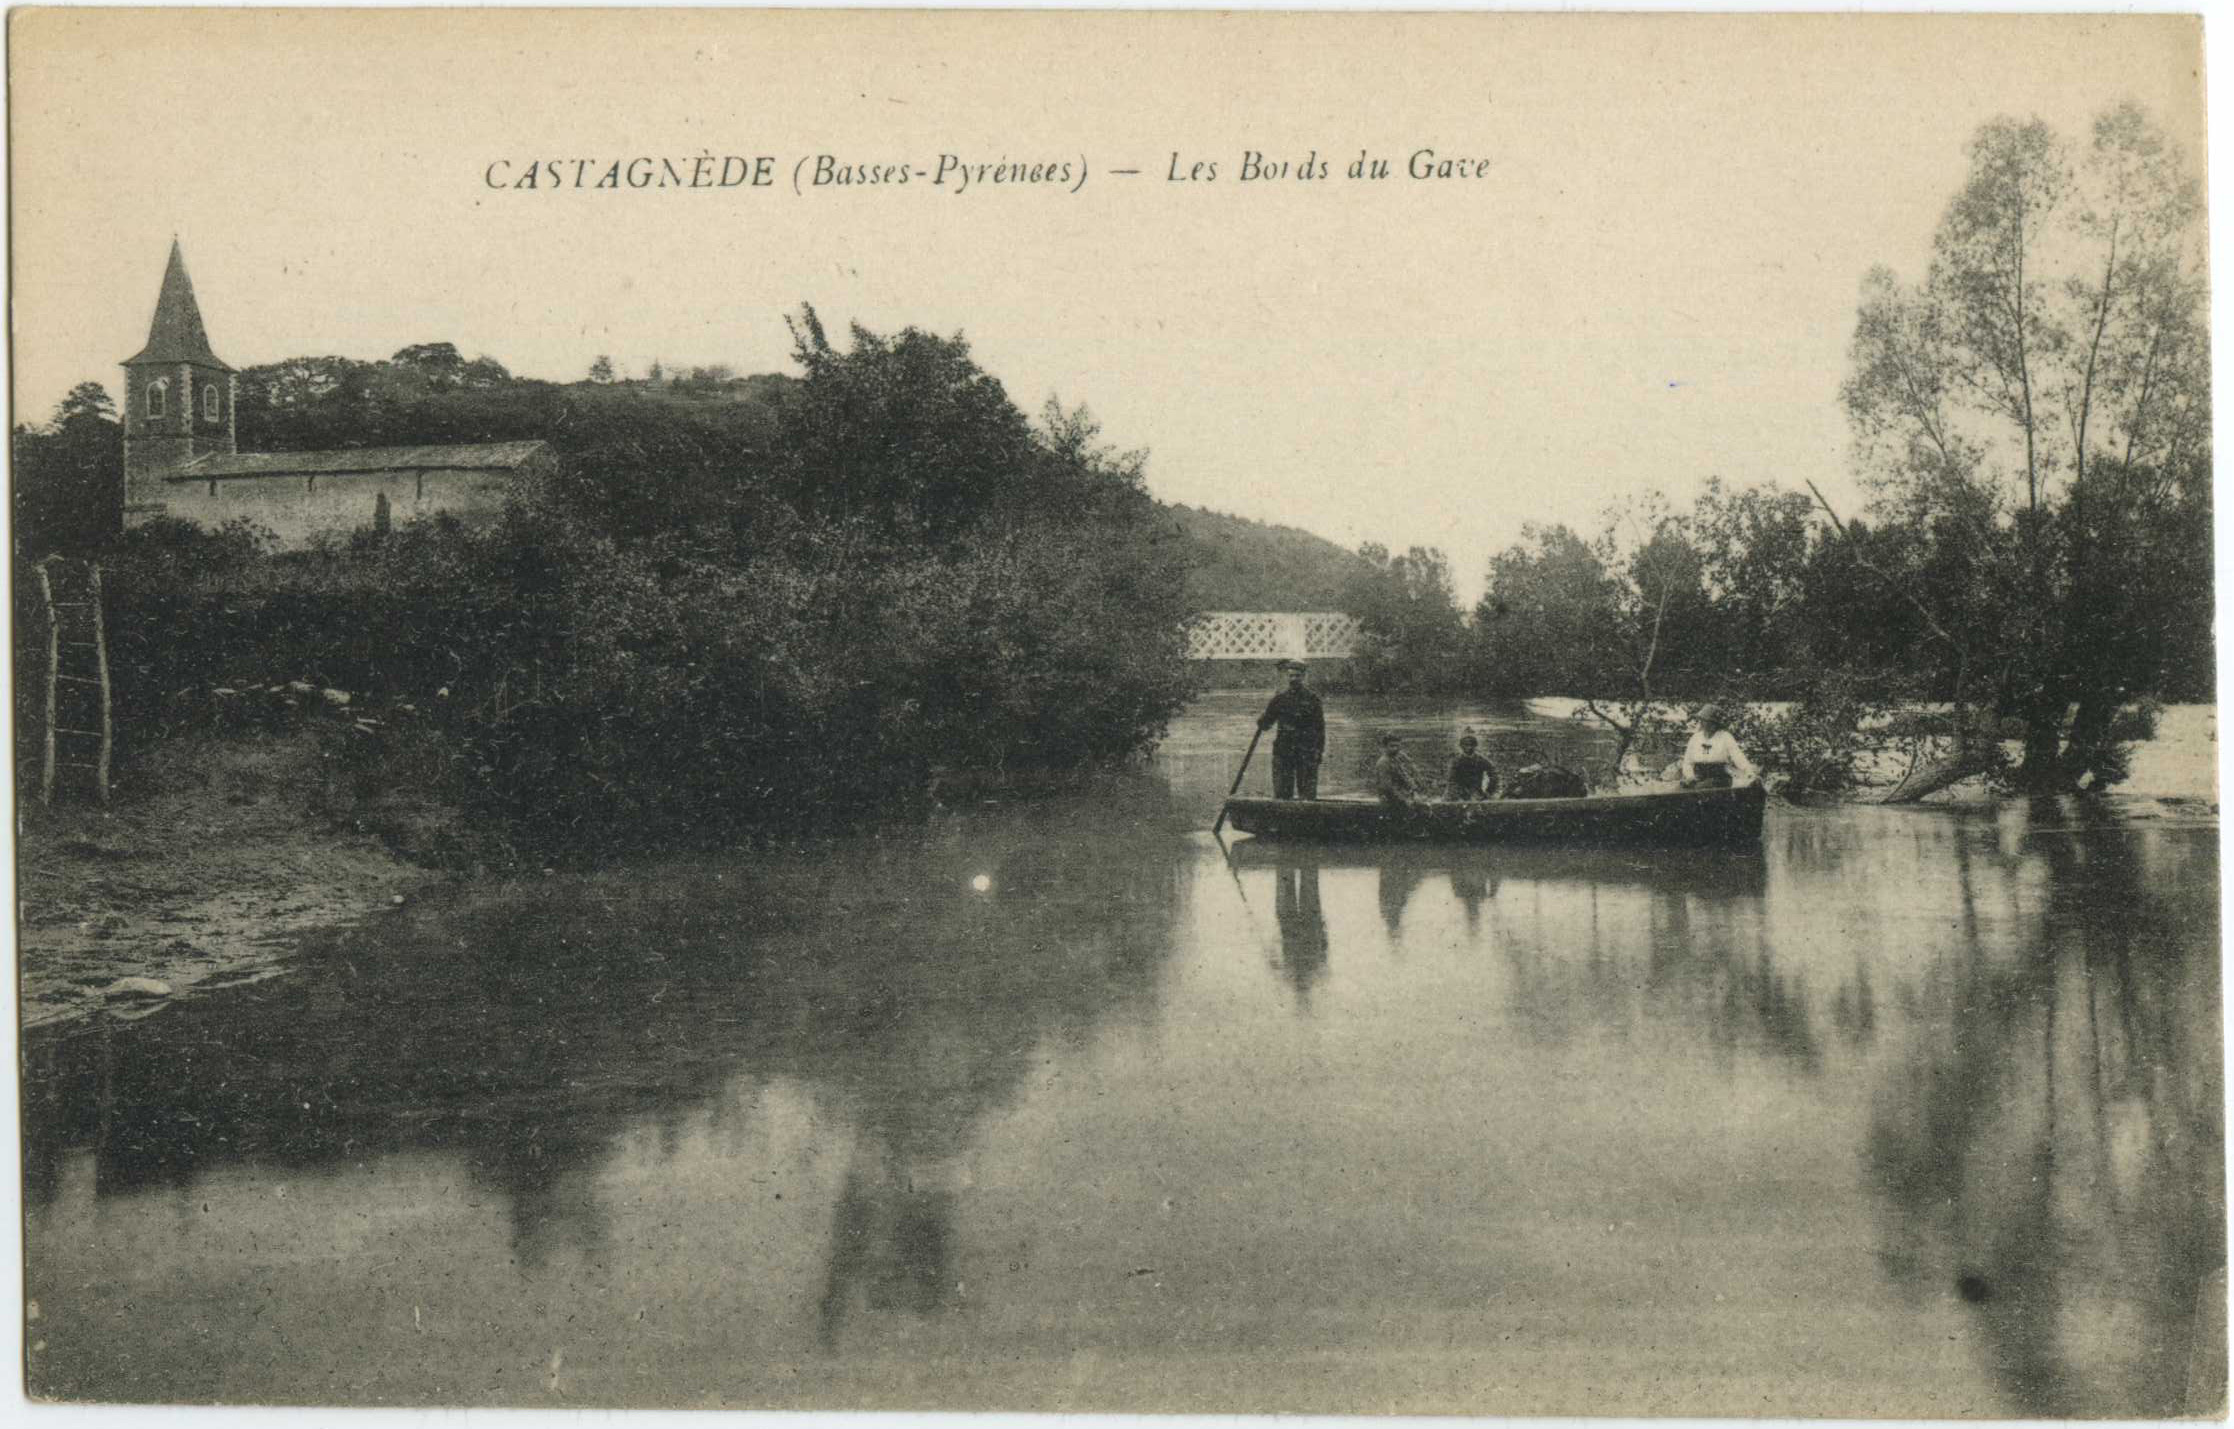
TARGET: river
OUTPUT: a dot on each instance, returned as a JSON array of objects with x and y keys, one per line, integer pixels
[{"x": 1058, "y": 1105}]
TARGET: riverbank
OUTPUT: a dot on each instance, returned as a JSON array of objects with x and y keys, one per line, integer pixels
[
  {"x": 1056, "y": 1062},
  {"x": 223, "y": 850},
  {"x": 2172, "y": 774},
  {"x": 235, "y": 846},
  {"x": 206, "y": 878}
]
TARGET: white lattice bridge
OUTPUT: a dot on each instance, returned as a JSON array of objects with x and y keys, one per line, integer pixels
[{"x": 1272, "y": 635}]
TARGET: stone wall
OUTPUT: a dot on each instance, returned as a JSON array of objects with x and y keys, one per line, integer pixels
[{"x": 298, "y": 508}]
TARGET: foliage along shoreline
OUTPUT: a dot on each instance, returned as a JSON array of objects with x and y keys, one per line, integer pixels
[
  {"x": 740, "y": 605},
  {"x": 713, "y": 620},
  {"x": 2031, "y": 417}
]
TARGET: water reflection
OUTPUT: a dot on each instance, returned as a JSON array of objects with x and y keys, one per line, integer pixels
[
  {"x": 1303, "y": 936},
  {"x": 2052, "y": 1153},
  {"x": 910, "y": 985},
  {"x": 1398, "y": 879},
  {"x": 1059, "y": 1107},
  {"x": 1590, "y": 939},
  {"x": 891, "y": 1240},
  {"x": 913, "y": 1053},
  {"x": 1474, "y": 882}
]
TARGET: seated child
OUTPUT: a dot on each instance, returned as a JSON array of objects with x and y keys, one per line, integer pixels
[{"x": 1471, "y": 776}]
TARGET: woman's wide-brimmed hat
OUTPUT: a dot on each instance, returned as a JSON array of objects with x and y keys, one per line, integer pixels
[{"x": 1708, "y": 714}]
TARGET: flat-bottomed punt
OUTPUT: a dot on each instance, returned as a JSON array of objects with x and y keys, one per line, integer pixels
[{"x": 1682, "y": 818}]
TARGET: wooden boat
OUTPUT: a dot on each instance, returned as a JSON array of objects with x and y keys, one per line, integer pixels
[{"x": 1680, "y": 818}]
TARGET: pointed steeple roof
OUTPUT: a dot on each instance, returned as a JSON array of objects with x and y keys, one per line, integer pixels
[{"x": 176, "y": 335}]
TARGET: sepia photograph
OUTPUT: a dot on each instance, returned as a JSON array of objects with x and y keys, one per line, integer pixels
[{"x": 1150, "y": 713}]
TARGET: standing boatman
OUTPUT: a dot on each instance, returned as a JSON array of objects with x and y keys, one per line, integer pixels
[{"x": 1301, "y": 741}]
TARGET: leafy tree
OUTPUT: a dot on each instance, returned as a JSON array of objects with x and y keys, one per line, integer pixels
[
  {"x": 1540, "y": 624},
  {"x": 438, "y": 367},
  {"x": 439, "y": 363},
  {"x": 482, "y": 373},
  {"x": 1411, "y": 635},
  {"x": 601, "y": 370},
  {"x": 1601, "y": 619},
  {"x": 68, "y": 477},
  {"x": 297, "y": 383},
  {"x": 719, "y": 617},
  {"x": 86, "y": 401},
  {"x": 2038, "y": 409},
  {"x": 710, "y": 376},
  {"x": 905, "y": 434},
  {"x": 1754, "y": 546},
  {"x": 1656, "y": 595}
]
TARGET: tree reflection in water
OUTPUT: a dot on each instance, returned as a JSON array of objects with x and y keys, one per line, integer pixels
[
  {"x": 529, "y": 1031},
  {"x": 1063, "y": 941},
  {"x": 1987, "y": 1056},
  {"x": 2050, "y": 1154},
  {"x": 891, "y": 1241},
  {"x": 1612, "y": 939}
]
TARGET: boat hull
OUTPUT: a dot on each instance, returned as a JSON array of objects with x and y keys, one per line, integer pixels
[{"x": 1687, "y": 818}]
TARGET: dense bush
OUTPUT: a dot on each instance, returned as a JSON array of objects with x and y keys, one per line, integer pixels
[
  {"x": 1837, "y": 734},
  {"x": 711, "y": 626}
]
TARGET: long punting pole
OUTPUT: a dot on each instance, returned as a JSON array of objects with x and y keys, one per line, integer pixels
[{"x": 1239, "y": 775}]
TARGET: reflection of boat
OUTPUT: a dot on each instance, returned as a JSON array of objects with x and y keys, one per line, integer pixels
[
  {"x": 1682, "y": 818},
  {"x": 1721, "y": 872}
]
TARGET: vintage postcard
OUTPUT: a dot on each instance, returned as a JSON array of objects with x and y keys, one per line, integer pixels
[{"x": 1192, "y": 713}]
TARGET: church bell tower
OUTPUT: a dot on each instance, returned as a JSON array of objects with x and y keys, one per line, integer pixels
[{"x": 178, "y": 396}]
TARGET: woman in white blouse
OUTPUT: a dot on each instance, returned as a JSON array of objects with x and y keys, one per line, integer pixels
[{"x": 1713, "y": 760}]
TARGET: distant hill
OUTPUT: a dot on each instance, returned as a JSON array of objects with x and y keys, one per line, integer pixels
[{"x": 1250, "y": 565}]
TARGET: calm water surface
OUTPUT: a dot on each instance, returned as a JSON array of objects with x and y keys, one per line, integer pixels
[{"x": 1055, "y": 1105}]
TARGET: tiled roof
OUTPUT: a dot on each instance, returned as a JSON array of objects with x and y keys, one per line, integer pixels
[
  {"x": 176, "y": 334},
  {"x": 473, "y": 456}
]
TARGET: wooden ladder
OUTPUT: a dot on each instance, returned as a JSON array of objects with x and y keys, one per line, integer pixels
[{"x": 80, "y": 734}]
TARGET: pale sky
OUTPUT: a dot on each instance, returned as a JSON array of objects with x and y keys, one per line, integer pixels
[{"x": 1655, "y": 282}]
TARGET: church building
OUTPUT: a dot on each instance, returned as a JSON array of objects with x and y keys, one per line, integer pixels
[{"x": 180, "y": 458}]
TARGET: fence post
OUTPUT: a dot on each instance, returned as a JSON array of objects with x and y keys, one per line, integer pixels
[
  {"x": 54, "y": 667},
  {"x": 101, "y": 655}
]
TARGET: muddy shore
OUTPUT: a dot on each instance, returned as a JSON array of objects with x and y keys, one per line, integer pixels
[{"x": 204, "y": 879}]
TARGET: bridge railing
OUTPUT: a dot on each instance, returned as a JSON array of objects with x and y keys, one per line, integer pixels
[{"x": 1272, "y": 635}]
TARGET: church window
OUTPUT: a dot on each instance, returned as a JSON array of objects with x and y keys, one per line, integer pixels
[
  {"x": 155, "y": 395},
  {"x": 209, "y": 402}
]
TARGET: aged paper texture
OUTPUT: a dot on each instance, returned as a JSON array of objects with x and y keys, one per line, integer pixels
[{"x": 1468, "y": 714}]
